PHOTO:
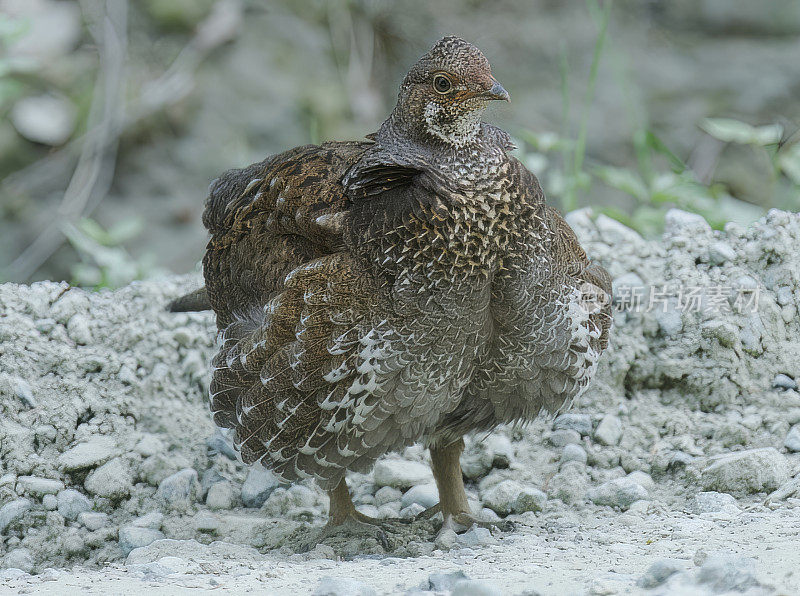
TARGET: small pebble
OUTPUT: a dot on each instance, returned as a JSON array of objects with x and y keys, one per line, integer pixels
[
  {"x": 401, "y": 474},
  {"x": 746, "y": 472},
  {"x": 50, "y": 502},
  {"x": 563, "y": 437},
  {"x": 11, "y": 512},
  {"x": 573, "y": 452},
  {"x": 782, "y": 381},
  {"x": 131, "y": 537},
  {"x": 220, "y": 496},
  {"x": 113, "y": 480},
  {"x": 179, "y": 490},
  {"x": 723, "y": 573},
  {"x": 473, "y": 587},
  {"x": 92, "y": 520},
  {"x": 19, "y": 558},
  {"x": 39, "y": 486},
  {"x": 792, "y": 440},
  {"x": 659, "y": 572},
  {"x": 387, "y": 494},
  {"x": 71, "y": 503},
  {"x": 713, "y": 502},
  {"x": 445, "y": 581},
  {"x": 476, "y": 536},
  {"x": 609, "y": 430},
  {"x": 88, "y": 454},
  {"x": 426, "y": 495},
  {"x": 258, "y": 486},
  {"x": 620, "y": 492},
  {"x": 582, "y": 423}
]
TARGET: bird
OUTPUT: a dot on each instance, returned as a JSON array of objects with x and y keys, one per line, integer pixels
[{"x": 411, "y": 287}]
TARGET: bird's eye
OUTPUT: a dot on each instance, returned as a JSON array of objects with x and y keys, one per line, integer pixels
[{"x": 442, "y": 84}]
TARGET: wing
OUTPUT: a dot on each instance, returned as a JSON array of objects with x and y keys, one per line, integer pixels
[
  {"x": 269, "y": 218},
  {"x": 551, "y": 316}
]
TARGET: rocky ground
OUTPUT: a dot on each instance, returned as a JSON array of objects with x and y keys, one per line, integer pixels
[{"x": 677, "y": 473}]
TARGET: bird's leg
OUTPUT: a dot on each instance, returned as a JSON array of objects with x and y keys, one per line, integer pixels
[
  {"x": 343, "y": 518},
  {"x": 453, "y": 505}
]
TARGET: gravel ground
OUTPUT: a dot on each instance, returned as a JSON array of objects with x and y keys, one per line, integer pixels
[{"x": 677, "y": 473}]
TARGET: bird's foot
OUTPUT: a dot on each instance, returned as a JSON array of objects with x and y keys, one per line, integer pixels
[
  {"x": 462, "y": 522},
  {"x": 356, "y": 525}
]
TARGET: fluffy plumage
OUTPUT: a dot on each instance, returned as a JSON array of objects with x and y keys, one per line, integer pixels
[{"x": 412, "y": 287}]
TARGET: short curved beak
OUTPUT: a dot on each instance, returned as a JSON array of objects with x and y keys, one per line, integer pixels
[{"x": 497, "y": 92}]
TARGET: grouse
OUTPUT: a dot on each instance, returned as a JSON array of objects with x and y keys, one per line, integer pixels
[{"x": 412, "y": 287}]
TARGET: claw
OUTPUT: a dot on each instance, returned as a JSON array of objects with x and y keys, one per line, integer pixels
[{"x": 351, "y": 525}]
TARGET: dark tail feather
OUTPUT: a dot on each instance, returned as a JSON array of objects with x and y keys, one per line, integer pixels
[{"x": 197, "y": 300}]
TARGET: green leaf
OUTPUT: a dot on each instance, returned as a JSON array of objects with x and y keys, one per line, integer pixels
[
  {"x": 734, "y": 131},
  {"x": 789, "y": 162},
  {"x": 126, "y": 229},
  {"x": 625, "y": 180}
]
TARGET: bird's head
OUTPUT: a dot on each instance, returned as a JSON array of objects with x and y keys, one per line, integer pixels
[{"x": 445, "y": 92}]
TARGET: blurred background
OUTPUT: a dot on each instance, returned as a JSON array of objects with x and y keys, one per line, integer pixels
[{"x": 117, "y": 114}]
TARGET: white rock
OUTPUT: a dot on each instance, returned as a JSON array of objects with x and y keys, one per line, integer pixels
[
  {"x": 411, "y": 511},
  {"x": 113, "y": 480},
  {"x": 573, "y": 452},
  {"x": 582, "y": 423},
  {"x": 727, "y": 573},
  {"x": 179, "y": 490},
  {"x": 50, "y": 502},
  {"x": 387, "y": 494},
  {"x": 89, "y": 454},
  {"x": 616, "y": 233},
  {"x": 642, "y": 478},
  {"x": 660, "y": 571},
  {"x": 92, "y": 520},
  {"x": 620, "y": 492},
  {"x": 19, "y": 558},
  {"x": 445, "y": 581},
  {"x": 746, "y": 472},
  {"x": 258, "y": 486},
  {"x": 10, "y": 512},
  {"x": 474, "y": 587},
  {"x": 45, "y": 119},
  {"x": 609, "y": 431},
  {"x": 529, "y": 499},
  {"x": 220, "y": 496},
  {"x": 782, "y": 381},
  {"x": 476, "y": 537},
  {"x": 713, "y": 502},
  {"x": 792, "y": 440},
  {"x": 501, "y": 497},
  {"x": 71, "y": 503},
  {"x": 401, "y": 474},
  {"x": 426, "y": 495},
  {"x": 149, "y": 444},
  {"x": 563, "y": 437},
  {"x": 678, "y": 222},
  {"x": 78, "y": 330},
  {"x": 152, "y": 520},
  {"x": 39, "y": 486},
  {"x": 131, "y": 537},
  {"x": 720, "y": 252}
]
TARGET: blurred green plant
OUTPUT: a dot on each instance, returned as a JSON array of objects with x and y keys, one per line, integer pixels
[
  {"x": 104, "y": 262},
  {"x": 562, "y": 158}
]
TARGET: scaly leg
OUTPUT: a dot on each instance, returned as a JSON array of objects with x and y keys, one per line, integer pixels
[{"x": 446, "y": 466}]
